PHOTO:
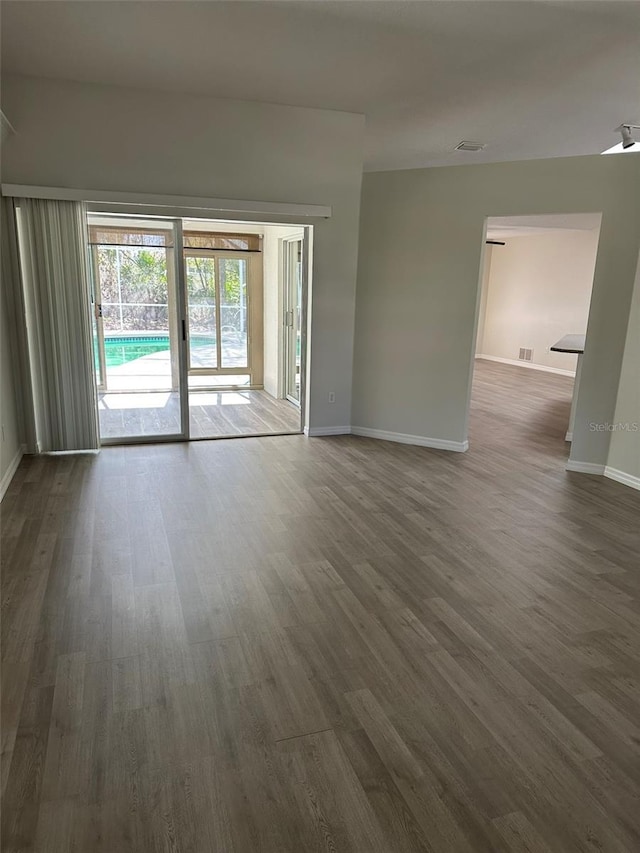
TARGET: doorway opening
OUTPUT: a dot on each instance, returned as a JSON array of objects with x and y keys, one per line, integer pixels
[
  {"x": 199, "y": 327},
  {"x": 534, "y": 303}
]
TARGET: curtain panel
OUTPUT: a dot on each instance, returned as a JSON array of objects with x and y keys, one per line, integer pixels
[
  {"x": 54, "y": 265},
  {"x": 13, "y": 304}
]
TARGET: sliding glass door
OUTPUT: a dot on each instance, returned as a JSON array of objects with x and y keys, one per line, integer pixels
[
  {"x": 218, "y": 319},
  {"x": 136, "y": 328},
  {"x": 224, "y": 332},
  {"x": 179, "y": 329}
]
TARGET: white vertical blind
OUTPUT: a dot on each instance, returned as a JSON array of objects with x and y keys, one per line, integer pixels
[{"x": 53, "y": 255}]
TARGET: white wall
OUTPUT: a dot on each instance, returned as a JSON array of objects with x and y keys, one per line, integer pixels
[
  {"x": 538, "y": 289},
  {"x": 109, "y": 138},
  {"x": 421, "y": 244},
  {"x": 624, "y": 452}
]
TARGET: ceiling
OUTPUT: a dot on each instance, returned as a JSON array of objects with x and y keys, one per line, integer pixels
[
  {"x": 531, "y": 79},
  {"x": 502, "y": 227}
]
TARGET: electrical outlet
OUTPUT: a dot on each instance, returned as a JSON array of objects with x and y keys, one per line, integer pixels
[{"x": 332, "y": 396}]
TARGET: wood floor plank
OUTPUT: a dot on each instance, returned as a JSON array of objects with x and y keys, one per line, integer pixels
[
  {"x": 394, "y": 753},
  {"x": 334, "y": 810},
  {"x": 61, "y": 780},
  {"x": 520, "y": 835},
  {"x": 290, "y": 645}
]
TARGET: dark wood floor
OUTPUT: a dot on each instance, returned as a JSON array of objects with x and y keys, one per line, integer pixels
[{"x": 340, "y": 644}]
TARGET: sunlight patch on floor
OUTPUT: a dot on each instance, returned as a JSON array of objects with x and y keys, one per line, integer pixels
[
  {"x": 134, "y": 401},
  {"x": 227, "y": 398}
]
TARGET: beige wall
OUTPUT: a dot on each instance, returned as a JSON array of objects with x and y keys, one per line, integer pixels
[
  {"x": 109, "y": 138},
  {"x": 538, "y": 289},
  {"x": 421, "y": 243},
  {"x": 624, "y": 452}
]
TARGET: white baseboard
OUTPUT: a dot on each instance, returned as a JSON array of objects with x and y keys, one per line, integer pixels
[
  {"x": 11, "y": 470},
  {"x": 584, "y": 467},
  {"x": 404, "y": 438},
  {"x": 568, "y": 436},
  {"x": 622, "y": 477},
  {"x": 313, "y": 432},
  {"x": 604, "y": 470},
  {"x": 529, "y": 364}
]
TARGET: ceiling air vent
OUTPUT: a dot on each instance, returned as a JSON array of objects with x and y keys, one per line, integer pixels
[{"x": 465, "y": 145}]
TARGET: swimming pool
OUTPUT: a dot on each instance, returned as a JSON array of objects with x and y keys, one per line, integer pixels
[{"x": 120, "y": 349}]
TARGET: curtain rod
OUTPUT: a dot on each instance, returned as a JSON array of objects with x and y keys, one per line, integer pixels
[{"x": 225, "y": 205}]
